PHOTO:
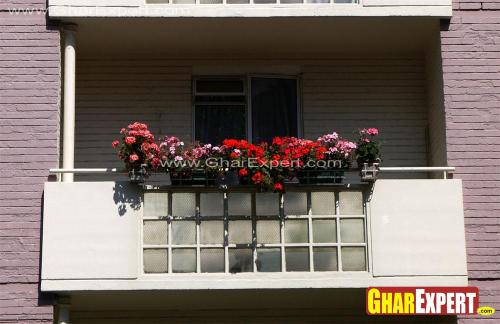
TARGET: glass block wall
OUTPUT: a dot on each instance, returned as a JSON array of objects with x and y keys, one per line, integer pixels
[{"x": 213, "y": 232}]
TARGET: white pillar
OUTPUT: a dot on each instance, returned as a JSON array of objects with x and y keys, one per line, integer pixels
[{"x": 69, "y": 100}]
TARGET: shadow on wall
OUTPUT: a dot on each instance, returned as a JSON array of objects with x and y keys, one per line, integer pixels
[{"x": 126, "y": 195}]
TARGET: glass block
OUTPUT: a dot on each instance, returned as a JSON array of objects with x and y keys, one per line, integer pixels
[
  {"x": 323, "y": 203},
  {"x": 351, "y": 203},
  {"x": 296, "y": 231},
  {"x": 212, "y": 260},
  {"x": 211, "y": 204},
  {"x": 184, "y": 1},
  {"x": 155, "y": 204},
  {"x": 297, "y": 259},
  {"x": 211, "y": 1},
  {"x": 212, "y": 232},
  {"x": 183, "y": 260},
  {"x": 263, "y": 1},
  {"x": 155, "y": 232},
  {"x": 318, "y": 1},
  {"x": 325, "y": 259},
  {"x": 240, "y": 260},
  {"x": 183, "y": 204},
  {"x": 291, "y": 1},
  {"x": 240, "y": 232},
  {"x": 155, "y": 260},
  {"x": 268, "y": 231},
  {"x": 324, "y": 231},
  {"x": 183, "y": 232},
  {"x": 240, "y": 204},
  {"x": 269, "y": 260},
  {"x": 352, "y": 230},
  {"x": 353, "y": 259},
  {"x": 295, "y": 203},
  {"x": 238, "y": 1},
  {"x": 267, "y": 204}
]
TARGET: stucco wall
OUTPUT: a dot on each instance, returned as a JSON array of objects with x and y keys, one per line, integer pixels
[
  {"x": 471, "y": 60},
  {"x": 29, "y": 96}
]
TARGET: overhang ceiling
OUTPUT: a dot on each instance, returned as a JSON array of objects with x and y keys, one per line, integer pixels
[{"x": 200, "y": 37}]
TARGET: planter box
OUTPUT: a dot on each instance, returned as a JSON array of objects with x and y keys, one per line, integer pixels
[
  {"x": 193, "y": 178},
  {"x": 321, "y": 176}
]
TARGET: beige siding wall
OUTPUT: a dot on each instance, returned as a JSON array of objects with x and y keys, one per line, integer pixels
[{"x": 341, "y": 94}]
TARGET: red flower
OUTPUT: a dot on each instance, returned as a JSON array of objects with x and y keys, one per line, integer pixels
[
  {"x": 277, "y": 141},
  {"x": 234, "y": 155},
  {"x": 257, "y": 177},
  {"x": 278, "y": 187},
  {"x": 130, "y": 140},
  {"x": 243, "y": 172},
  {"x": 134, "y": 158},
  {"x": 115, "y": 144}
]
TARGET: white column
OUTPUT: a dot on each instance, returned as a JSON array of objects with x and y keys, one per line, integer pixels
[{"x": 69, "y": 100}]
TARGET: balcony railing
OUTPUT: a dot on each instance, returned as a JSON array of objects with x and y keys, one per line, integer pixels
[{"x": 121, "y": 236}]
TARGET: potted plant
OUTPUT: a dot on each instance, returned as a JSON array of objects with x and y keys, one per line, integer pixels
[
  {"x": 138, "y": 150},
  {"x": 368, "y": 156}
]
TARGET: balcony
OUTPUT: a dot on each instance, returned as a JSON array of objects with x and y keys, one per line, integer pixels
[
  {"x": 120, "y": 236},
  {"x": 71, "y": 9}
]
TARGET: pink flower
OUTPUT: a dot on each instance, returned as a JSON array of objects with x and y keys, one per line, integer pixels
[
  {"x": 115, "y": 144},
  {"x": 372, "y": 131},
  {"x": 129, "y": 140},
  {"x": 145, "y": 147},
  {"x": 134, "y": 158}
]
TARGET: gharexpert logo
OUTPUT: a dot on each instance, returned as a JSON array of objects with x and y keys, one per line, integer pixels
[{"x": 424, "y": 301}]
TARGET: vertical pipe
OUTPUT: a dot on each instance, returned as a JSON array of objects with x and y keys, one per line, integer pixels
[
  {"x": 69, "y": 100},
  {"x": 63, "y": 310}
]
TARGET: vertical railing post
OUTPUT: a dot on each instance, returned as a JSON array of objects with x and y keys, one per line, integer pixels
[{"x": 69, "y": 100}]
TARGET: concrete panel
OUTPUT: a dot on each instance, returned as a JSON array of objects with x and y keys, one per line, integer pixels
[
  {"x": 417, "y": 228},
  {"x": 91, "y": 230}
]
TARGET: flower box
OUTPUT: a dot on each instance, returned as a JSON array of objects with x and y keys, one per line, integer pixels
[
  {"x": 193, "y": 178},
  {"x": 321, "y": 176}
]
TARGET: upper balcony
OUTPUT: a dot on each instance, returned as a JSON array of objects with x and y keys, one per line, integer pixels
[{"x": 70, "y": 9}]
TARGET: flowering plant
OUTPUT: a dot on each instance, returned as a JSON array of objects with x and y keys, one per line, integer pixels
[
  {"x": 264, "y": 165},
  {"x": 368, "y": 150},
  {"x": 338, "y": 149},
  {"x": 171, "y": 153},
  {"x": 137, "y": 147},
  {"x": 251, "y": 163}
]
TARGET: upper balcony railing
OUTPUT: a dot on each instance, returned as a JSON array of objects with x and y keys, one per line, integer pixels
[{"x": 247, "y": 8}]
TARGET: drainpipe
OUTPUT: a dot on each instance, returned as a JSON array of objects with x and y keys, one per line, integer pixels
[
  {"x": 63, "y": 307},
  {"x": 69, "y": 100}
]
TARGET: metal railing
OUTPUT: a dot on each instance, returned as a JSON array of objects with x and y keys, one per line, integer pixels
[{"x": 444, "y": 170}]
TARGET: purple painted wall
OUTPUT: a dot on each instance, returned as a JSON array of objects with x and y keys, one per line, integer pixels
[
  {"x": 29, "y": 100},
  {"x": 471, "y": 66}
]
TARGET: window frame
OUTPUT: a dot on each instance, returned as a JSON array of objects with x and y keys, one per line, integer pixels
[{"x": 247, "y": 87}]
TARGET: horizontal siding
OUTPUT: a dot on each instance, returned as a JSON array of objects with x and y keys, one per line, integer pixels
[
  {"x": 348, "y": 94},
  {"x": 342, "y": 95}
]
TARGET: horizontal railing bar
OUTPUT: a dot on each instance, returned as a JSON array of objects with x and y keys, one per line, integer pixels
[
  {"x": 416, "y": 169},
  {"x": 382, "y": 169},
  {"x": 88, "y": 171}
]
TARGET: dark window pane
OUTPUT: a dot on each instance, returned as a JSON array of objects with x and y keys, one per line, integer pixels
[
  {"x": 274, "y": 108},
  {"x": 219, "y": 86},
  {"x": 216, "y": 123}
]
